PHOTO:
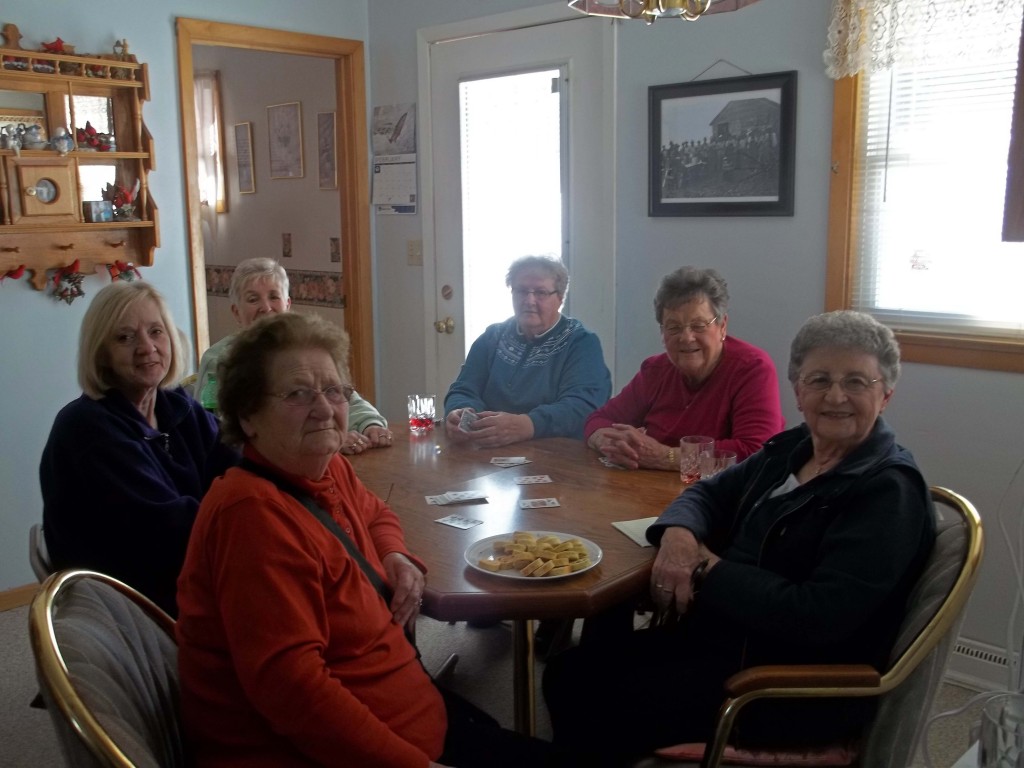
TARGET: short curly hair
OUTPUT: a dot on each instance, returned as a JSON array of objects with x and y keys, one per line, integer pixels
[
  {"x": 550, "y": 264},
  {"x": 688, "y": 284},
  {"x": 95, "y": 376},
  {"x": 244, "y": 371},
  {"x": 847, "y": 329},
  {"x": 256, "y": 268}
]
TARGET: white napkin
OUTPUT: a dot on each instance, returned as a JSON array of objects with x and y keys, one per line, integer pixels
[{"x": 636, "y": 529}]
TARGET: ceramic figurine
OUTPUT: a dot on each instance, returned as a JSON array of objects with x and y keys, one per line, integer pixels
[{"x": 62, "y": 141}]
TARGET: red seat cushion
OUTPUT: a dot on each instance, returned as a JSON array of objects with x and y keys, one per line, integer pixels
[{"x": 830, "y": 755}]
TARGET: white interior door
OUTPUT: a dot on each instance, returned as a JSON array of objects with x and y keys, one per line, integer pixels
[{"x": 576, "y": 52}]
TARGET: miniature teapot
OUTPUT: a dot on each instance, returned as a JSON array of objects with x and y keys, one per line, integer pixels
[{"x": 32, "y": 137}]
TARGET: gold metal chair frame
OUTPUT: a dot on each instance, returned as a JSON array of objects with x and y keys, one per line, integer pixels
[
  {"x": 53, "y": 672},
  {"x": 854, "y": 680}
]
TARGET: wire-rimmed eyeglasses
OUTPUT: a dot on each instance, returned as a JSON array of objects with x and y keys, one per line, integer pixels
[
  {"x": 540, "y": 293},
  {"x": 853, "y": 384},
  {"x": 696, "y": 327},
  {"x": 304, "y": 396}
]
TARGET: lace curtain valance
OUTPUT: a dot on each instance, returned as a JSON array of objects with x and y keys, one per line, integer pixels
[{"x": 874, "y": 35}]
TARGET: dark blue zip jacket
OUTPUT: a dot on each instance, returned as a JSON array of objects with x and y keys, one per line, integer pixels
[{"x": 820, "y": 574}]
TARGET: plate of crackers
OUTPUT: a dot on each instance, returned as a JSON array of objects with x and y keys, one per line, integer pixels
[{"x": 533, "y": 555}]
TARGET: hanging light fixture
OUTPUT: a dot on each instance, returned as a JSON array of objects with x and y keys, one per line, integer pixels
[{"x": 651, "y": 10}]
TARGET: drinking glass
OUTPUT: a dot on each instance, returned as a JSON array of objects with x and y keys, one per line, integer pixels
[
  {"x": 714, "y": 461},
  {"x": 690, "y": 449},
  {"x": 421, "y": 414},
  {"x": 1002, "y": 732}
]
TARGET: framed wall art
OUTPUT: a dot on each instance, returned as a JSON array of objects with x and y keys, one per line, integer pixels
[
  {"x": 327, "y": 166},
  {"x": 284, "y": 122},
  {"x": 243, "y": 158},
  {"x": 722, "y": 147}
]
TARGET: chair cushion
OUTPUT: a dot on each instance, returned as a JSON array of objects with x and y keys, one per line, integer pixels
[{"x": 830, "y": 755}]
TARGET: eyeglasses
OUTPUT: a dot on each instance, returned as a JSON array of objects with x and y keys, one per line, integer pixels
[
  {"x": 303, "y": 397},
  {"x": 851, "y": 385},
  {"x": 695, "y": 328},
  {"x": 522, "y": 293}
]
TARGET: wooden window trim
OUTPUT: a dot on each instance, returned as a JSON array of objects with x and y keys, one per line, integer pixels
[{"x": 961, "y": 350}]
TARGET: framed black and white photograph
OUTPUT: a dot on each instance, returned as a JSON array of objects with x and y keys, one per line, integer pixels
[
  {"x": 723, "y": 147},
  {"x": 327, "y": 165},
  {"x": 243, "y": 158},
  {"x": 284, "y": 122}
]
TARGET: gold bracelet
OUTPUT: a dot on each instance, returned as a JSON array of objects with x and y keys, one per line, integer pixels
[{"x": 671, "y": 456}]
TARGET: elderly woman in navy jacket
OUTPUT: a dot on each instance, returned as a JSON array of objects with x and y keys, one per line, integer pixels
[
  {"x": 803, "y": 553},
  {"x": 127, "y": 463}
]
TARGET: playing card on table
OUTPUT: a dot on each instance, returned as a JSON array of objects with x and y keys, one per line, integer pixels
[
  {"x": 459, "y": 497},
  {"x": 456, "y": 497},
  {"x": 509, "y": 461},
  {"x": 456, "y": 521},
  {"x": 531, "y": 479},
  {"x": 538, "y": 503}
]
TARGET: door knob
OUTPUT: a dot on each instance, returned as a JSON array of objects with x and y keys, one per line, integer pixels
[{"x": 445, "y": 326}]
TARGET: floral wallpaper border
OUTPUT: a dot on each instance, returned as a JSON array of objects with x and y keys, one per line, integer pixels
[{"x": 317, "y": 289}]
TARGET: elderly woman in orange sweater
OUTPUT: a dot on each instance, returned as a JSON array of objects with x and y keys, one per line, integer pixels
[{"x": 298, "y": 589}]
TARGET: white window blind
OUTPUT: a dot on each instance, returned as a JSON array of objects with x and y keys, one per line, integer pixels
[{"x": 928, "y": 188}]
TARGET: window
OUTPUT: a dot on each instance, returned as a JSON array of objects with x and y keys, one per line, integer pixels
[
  {"x": 920, "y": 165},
  {"x": 210, "y": 141}
]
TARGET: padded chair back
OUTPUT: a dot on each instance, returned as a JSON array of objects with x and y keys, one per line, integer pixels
[
  {"x": 907, "y": 688},
  {"x": 38, "y": 557},
  {"x": 935, "y": 612},
  {"x": 107, "y": 664}
]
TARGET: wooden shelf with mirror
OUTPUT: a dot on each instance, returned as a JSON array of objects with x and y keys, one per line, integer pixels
[{"x": 42, "y": 221}]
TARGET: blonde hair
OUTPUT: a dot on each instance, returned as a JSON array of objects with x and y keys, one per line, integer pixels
[{"x": 95, "y": 375}]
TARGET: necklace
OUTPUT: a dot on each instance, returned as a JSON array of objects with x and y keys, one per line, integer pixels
[{"x": 822, "y": 465}]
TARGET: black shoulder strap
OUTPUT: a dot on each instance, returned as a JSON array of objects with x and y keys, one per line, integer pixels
[{"x": 329, "y": 522}]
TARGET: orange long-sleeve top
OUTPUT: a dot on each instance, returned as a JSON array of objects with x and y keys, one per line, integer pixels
[{"x": 287, "y": 654}]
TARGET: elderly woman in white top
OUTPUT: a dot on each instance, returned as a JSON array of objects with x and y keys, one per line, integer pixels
[{"x": 259, "y": 286}]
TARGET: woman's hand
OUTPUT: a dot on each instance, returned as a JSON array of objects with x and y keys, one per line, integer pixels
[
  {"x": 407, "y": 582},
  {"x": 672, "y": 576},
  {"x": 630, "y": 447},
  {"x": 451, "y": 426},
  {"x": 494, "y": 429},
  {"x": 354, "y": 443},
  {"x": 378, "y": 436}
]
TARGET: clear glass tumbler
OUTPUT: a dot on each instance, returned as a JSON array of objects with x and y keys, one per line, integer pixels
[
  {"x": 1002, "y": 732},
  {"x": 690, "y": 449},
  {"x": 421, "y": 413}
]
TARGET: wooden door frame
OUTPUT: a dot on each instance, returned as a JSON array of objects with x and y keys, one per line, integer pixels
[{"x": 352, "y": 164}]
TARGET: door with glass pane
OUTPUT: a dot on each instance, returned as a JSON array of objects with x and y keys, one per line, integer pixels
[{"x": 520, "y": 166}]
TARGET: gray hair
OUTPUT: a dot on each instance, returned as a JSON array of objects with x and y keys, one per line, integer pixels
[
  {"x": 95, "y": 375},
  {"x": 553, "y": 266},
  {"x": 688, "y": 284},
  {"x": 244, "y": 371},
  {"x": 254, "y": 269},
  {"x": 847, "y": 329}
]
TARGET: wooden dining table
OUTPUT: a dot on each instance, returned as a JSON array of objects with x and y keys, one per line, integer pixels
[{"x": 591, "y": 497}]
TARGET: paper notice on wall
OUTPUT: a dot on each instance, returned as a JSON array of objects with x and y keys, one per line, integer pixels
[
  {"x": 394, "y": 158},
  {"x": 394, "y": 183}
]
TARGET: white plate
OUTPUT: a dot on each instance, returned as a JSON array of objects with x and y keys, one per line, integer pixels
[{"x": 484, "y": 547}]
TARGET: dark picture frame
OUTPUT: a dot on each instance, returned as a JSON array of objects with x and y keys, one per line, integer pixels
[{"x": 722, "y": 147}]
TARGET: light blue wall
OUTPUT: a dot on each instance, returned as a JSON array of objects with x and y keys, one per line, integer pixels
[
  {"x": 39, "y": 336},
  {"x": 965, "y": 427}
]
